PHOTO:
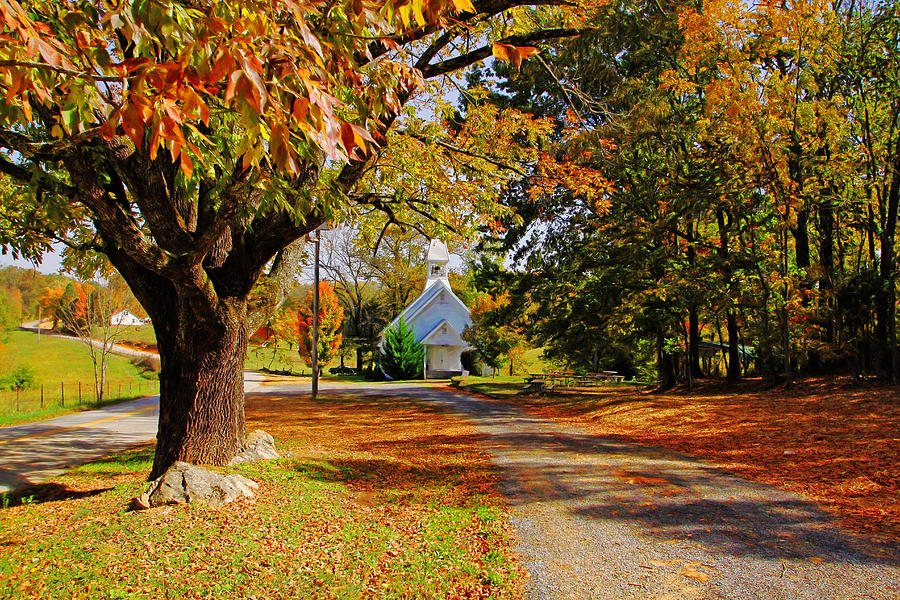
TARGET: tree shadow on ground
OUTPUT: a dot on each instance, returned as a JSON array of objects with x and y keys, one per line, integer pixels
[
  {"x": 666, "y": 495},
  {"x": 672, "y": 497},
  {"x": 46, "y": 492},
  {"x": 372, "y": 442}
]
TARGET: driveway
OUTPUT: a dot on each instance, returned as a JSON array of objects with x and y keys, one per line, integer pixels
[
  {"x": 604, "y": 519},
  {"x": 35, "y": 452}
]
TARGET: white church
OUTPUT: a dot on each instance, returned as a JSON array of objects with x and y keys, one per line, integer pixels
[{"x": 438, "y": 317}]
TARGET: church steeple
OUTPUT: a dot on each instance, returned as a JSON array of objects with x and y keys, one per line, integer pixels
[{"x": 437, "y": 261}]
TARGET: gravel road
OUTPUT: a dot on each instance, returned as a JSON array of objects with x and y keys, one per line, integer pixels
[{"x": 602, "y": 519}]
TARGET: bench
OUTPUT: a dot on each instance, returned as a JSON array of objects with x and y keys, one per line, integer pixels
[{"x": 534, "y": 386}]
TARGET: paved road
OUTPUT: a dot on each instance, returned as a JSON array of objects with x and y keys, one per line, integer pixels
[
  {"x": 603, "y": 519},
  {"x": 35, "y": 452},
  {"x": 114, "y": 349}
]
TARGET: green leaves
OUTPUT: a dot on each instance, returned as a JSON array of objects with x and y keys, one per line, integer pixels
[{"x": 401, "y": 357}]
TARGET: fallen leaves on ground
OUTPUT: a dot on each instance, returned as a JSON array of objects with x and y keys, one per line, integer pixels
[
  {"x": 375, "y": 498},
  {"x": 834, "y": 441}
]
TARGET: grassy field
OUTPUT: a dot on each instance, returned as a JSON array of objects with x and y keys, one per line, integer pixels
[
  {"x": 60, "y": 365},
  {"x": 281, "y": 358},
  {"x": 500, "y": 386},
  {"x": 380, "y": 498},
  {"x": 141, "y": 337}
]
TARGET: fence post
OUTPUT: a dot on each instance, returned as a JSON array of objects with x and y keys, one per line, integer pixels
[
  {"x": 17, "y": 399},
  {"x": 120, "y": 390},
  {"x": 79, "y": 392},
  {"x": 62, "y": 393},
  {"x": 42, "y": 395}
]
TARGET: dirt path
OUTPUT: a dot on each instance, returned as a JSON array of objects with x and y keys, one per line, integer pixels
[{"x": 602, "y": 519}]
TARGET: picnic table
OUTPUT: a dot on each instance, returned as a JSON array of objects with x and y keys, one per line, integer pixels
[{"x": 539, "y": 382}]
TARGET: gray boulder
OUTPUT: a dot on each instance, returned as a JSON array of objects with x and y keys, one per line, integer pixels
[
  {"x": 184, "y": 483},
  {"x": 259, "y": 446}
]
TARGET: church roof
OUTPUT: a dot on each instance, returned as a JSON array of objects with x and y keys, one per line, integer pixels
[
  {"x": 437, "y": 252},
  {"x": 452, "y": 334},
  {"x": 426, "y": 298}
]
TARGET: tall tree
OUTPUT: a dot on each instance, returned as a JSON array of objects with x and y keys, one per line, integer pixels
[
  {"x": 193, "y": 142},
  {"x": 331, "y": 316}
]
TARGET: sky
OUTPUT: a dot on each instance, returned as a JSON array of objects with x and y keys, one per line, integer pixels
[{"x": 49, "y": 265}]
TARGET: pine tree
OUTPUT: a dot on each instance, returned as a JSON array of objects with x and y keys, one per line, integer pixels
[{"x": 401, "y": 355}]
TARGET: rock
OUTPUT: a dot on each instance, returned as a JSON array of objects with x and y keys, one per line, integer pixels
[
  {"x": 184, "y": 483},
  {"x": 141, "y": 502},
  {"x": 259, "y": 446}
]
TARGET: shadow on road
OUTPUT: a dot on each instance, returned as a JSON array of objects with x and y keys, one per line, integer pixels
[{"x": 664, "y": 495}]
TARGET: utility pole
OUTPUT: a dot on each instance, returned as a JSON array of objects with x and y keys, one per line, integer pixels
[{"x": 315, "y": 322}]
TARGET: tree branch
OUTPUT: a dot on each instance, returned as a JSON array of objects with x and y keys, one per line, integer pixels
[
  {"x": 61, "y": 70},
  {"x": 469, "y": 153},
  {"x": 464, "y": 60}
]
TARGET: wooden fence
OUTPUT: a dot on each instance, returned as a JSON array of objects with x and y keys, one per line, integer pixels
[{"x": 72, "y": 393}]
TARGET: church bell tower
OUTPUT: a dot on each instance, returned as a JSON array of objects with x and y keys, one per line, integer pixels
[{"x": 437, "y": 260}]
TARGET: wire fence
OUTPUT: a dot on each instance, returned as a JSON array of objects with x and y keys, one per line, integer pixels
[{"x": 72, "y": 394}]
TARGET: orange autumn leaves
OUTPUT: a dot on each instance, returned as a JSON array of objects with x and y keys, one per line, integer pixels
[
  {"x": 294, "y": 326},
  {"x": 832, "y": 441},
  {"x": 179, "y": 73}
]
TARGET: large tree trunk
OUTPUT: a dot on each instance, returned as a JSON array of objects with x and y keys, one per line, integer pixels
[
  {"x": 665, "y": 367},
  {"x": 201, "y": 414},
  {"x": 202, "y": 350}
]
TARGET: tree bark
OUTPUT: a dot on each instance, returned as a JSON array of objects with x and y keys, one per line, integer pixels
[
  {"x": 734, "y": 354},
  {"x": 201, "y": 414},
  {"x": 202, "y": 349},
  {"x": 665, "y": 365},
  {"x": 694, "y": 343},
  {"x": 887, "y": 298}
]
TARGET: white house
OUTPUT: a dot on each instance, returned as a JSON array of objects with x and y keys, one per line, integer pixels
[
  {"x": 126, "y": 318},
  {"x": 438, "y": 317}
]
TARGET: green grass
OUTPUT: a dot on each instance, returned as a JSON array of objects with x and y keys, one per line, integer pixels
[
  {"x": 275, "y": 358},
  {"x": 60, "y": 365},
  {"x": 345, "y": 518},
  {"x": 499, "y": 386},
  {"x": 141, "y": 336},
  {"x": 283, "y": 358}
]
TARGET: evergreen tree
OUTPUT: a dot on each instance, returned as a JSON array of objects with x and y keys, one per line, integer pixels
[{"x": 401, "y": 355}]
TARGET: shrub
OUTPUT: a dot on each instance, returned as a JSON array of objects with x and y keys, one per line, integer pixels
[
  {"x": 148, "y": 365},
  {"x": 22, "y": 377},
  {"x": 401, "y": 355}
]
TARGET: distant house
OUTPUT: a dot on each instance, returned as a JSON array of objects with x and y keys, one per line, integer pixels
[
  {"x": 126, "y": 318},
  {"x": 438, "y": 317}
]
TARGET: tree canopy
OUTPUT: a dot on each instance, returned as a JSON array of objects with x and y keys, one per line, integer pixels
[
  {"x": 751, "y": 155},
  {"x": 195, "y": 142}
]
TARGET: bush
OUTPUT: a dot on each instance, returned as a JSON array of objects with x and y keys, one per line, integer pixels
[
  {"x": 401, "y": 355},
  {"x": 469, "y": 359},
  {"x": 22, "y": 377},
  {"x": 149, "y": 366}
]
